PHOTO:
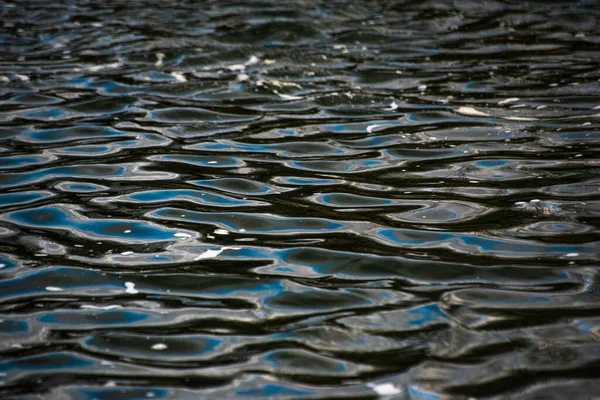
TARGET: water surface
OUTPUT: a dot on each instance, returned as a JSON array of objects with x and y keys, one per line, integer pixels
[{"x": 299, "y": 200}]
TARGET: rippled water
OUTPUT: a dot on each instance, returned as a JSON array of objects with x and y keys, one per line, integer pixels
[{"x": 304, "y": 199}]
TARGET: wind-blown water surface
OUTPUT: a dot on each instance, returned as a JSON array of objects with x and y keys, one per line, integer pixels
[{"x": 299, "y": 200}]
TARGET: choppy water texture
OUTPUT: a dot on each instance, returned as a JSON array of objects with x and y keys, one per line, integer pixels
[{"x": 299, "y": 200}]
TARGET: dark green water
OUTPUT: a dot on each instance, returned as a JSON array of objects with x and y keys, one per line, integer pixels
[{"x": 299, "y": 200}]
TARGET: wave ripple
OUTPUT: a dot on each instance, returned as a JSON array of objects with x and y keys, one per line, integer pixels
[{"x": 299, "y": 200}]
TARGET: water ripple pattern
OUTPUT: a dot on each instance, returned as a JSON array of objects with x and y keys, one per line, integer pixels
[{"x": 306, "y": 199}]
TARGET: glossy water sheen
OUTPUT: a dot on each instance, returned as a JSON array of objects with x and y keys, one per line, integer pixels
[{"x": 299, "y": 199}]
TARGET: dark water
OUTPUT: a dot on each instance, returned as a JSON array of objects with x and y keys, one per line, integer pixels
[{"x": 303, "y": 199}]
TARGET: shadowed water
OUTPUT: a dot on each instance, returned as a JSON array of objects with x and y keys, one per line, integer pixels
[{"x": 299, "y": 200}]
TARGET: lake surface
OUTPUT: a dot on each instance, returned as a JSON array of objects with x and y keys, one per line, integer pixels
[{"x": 299, "y": 200}]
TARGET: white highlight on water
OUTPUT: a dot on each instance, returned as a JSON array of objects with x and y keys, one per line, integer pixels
[
  {"x": 210, "y": 254},
  {"x": 236, "y": 67},
  {"x": 130, "y": 288},
  {"x": 179, "y": 76},
  {"x": 182, "y": 235},
  {"x": 392, "y": 107},
  {"x": 371, "y": 128},
  {"x": 93, "y": 307},
  {"x": 253, "y": 60},
  {"x": 521, "y": 118},
  {"x": 214, "y": 253},
  {"x": 471, "y": 112},
  {"x": 508, "y": 101},
  {"x": 100, "y": 67},
  {"x": 385, "y": 389},
  {"x": 287, "y": 96}
]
